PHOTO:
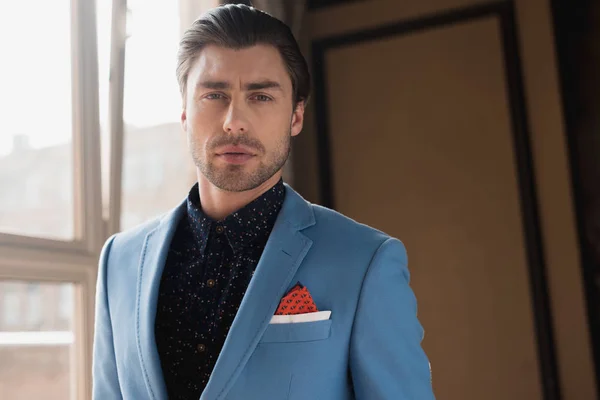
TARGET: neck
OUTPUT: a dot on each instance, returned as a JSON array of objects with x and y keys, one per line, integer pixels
[{"x": 218, "y": 204}]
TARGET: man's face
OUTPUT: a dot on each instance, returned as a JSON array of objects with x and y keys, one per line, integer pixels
[{"x": 239, "y": 117}]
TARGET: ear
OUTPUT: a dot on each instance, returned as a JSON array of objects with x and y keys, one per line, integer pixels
[
  {"x": 184, "y": 119},
  {"x": 298, "y": 119}
]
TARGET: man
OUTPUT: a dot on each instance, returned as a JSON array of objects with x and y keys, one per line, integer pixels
[{"x": 245, "y": 290}]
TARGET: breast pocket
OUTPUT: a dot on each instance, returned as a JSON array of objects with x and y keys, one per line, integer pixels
[{"x": 297, "y": 332}]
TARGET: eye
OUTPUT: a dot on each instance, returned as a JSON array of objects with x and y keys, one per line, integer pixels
[
  {"x": 261, "y": 98},
  {"x": 214, "y": 96}
]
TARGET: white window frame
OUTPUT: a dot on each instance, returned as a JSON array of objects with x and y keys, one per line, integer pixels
[
  {"x": 80, "y": 270},
  {"x": 25, "y": 258},
  {"x": 89, "y": 229},
  {"x": 44, "y": 260}
]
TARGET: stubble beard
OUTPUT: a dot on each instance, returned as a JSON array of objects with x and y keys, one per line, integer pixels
[{"x": 240, "y": 178}]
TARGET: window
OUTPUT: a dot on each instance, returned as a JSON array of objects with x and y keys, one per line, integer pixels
[
  {"x": 34, "y": 309},
  {"x": 59, "y": 150},
  {"x": 35, "y": 362},
  {"x": 65, "y": 305},
  {"x": 10, "y": 306},
  {"x": 35, "y": 126},
  {"x": 158, "y": 172},
  {"x": 50, "y": 222}
]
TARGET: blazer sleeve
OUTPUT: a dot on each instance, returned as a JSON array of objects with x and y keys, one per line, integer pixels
[
  {"x": 105, "y": 381},
  {"x": 386, "y": 358}
]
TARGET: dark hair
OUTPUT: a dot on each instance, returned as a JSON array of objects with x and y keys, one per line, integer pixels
[{"x": 239, "y": 26}]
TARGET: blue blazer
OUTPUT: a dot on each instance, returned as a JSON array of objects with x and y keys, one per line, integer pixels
[{"x": 370, "y": 348}]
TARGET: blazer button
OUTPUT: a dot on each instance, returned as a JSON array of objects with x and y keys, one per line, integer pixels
[
  {"x": 201, "y": 348},
  {"x": 210, "y": 283}
]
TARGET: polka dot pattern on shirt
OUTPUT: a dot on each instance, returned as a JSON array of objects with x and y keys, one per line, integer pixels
[{"x": 208, "y": 268}]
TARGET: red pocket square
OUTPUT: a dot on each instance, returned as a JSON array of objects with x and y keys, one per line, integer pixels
[{"x": 297, "y": 301}]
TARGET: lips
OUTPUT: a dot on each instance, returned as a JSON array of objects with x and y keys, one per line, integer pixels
[
  {"x": 235, "y": 150},
  {"x": 236, "y": 158},
  {"x": 235, "y": 155}
]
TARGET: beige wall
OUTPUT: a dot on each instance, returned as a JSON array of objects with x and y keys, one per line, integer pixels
[{"x": 549, "y": 161}]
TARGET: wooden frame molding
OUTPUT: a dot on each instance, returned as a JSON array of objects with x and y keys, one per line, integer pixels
[{"x": 505, "y": 12}]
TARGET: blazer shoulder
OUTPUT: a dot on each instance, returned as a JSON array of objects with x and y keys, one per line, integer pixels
[
  {"x": 129, "y": 243},
  {"x": 135, "y": 235},
  {"x": 336, "y": 225}
]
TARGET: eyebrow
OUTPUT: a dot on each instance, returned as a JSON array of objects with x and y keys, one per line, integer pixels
[{"x": 259, "y": 85}]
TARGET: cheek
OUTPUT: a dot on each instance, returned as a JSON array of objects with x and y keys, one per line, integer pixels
[
  {"x": 274, "y": 119},
  {"x": 276, "y": 137},
  {"x": 196, "y": 116},
  {"x": 196, "y": 128},
  {"x": 201, "y": 122}
]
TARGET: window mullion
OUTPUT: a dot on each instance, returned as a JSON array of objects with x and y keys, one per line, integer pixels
[
  {"x": 86, "y": 126},
  {"x": 89, "y": 225},
  {"x": 116, "y": 95}
]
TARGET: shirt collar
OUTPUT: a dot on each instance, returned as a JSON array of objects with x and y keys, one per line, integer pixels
[{"x": 251, "y": 224}]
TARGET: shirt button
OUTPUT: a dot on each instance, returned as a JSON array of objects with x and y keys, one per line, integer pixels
[
  {"x": 219, "y": 229},
  {"x": 201, "y": 348},
  {"x": 210, "y": 283}
]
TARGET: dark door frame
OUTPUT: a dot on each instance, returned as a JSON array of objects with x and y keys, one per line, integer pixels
[
  {"x": 576, "y": 36},
  {"x": 504, "y": 11}
]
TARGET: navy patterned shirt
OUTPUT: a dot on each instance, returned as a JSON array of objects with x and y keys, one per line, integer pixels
[{"x": 208, "y": 268}]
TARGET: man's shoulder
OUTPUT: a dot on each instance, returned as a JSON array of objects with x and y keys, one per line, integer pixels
[
  {"x": 334, "y": 225},
  {"x": 138, "y": 232},
  {"x": 340, "y": 242},
  {"x": 131, "y": 240}
]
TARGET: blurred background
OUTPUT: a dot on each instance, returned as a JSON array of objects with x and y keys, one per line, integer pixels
[{"x": 469, "y": 129}]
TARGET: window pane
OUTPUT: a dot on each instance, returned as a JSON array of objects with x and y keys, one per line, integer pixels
[
  {"x": 36, "y": 338},
  {"x": 157, "y": 170},
  {"x": 35, "y": 124},
  {"x": 103, "y": 23}
]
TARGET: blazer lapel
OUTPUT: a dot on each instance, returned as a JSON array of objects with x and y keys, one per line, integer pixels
[
  {"x": 152, "y": 263},
  {"x": 285, "y": 250}
]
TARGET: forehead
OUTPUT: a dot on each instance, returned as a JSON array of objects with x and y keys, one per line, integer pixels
[{"x": 258, "y": 62}]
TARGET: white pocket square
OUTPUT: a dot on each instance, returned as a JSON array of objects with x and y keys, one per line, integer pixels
[{"x": 307, "y": 317}]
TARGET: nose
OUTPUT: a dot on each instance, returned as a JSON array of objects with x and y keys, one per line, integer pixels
[{"x": 235, "y": 121}]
